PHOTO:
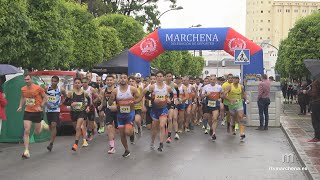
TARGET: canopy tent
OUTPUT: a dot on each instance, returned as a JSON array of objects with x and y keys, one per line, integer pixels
[{"x": 117, "y": 65}]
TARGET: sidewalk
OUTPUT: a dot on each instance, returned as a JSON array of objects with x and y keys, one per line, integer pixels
[{"x": 299, "y": 130}]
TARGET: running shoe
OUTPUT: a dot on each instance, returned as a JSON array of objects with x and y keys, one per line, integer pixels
[
  {"x": 222, "y": 123},
  {"x": 160, "y": 148},
  {"x": 89, "y": 138},
  {"x": 206, "y": 131},
  {"x": 200, "y": 120},
  {"x": 74, "y": 147},
  {"x": 179, "y": 131},
  {"x": 85, "y": 143},
  {"x": 203, "y": 127},
  {"x": 169, "y": 140},
  {"x": 102, "y": 129},
  {"x": 112, "y": 150},
  {"x": 187, "y": 130},
  {"x": 177, "y": 137},
  {"x": 213, "y": 137},
  {"x": 236, "y": 126},
  {"x": 49, "y": 147},
  {"x": 242, "y": 137},
  {"x": 99, "y": 131},
  {"x": 152, "y": 146},
  {"x": 26, "y": 154},
  {"x": 314, "y": 140},
  {"x": 126, "y": 154}
]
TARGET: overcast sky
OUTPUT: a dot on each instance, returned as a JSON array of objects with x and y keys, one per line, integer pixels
[{"x": 208, "y": 13}]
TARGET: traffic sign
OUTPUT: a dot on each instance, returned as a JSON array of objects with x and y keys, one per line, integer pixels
[{"x": 242, "y": 56}]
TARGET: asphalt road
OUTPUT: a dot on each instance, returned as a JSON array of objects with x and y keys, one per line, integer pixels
[{"x": 192, "y": 157}]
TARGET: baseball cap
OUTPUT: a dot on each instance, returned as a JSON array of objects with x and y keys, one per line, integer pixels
[
  {"x": 236, "y": 76},
  {"x": 137, "y": 75}
]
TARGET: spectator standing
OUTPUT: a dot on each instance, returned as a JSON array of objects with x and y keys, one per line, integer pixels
[
  {"x": 284, "y": 89},
  {"x": 302, "y": 99},
  {"x": 264, "y": 102},
  {"x": 315, "y": 108}
]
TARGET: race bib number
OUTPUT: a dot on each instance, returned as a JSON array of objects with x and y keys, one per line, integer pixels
[
  {"x": 52, "y": 99},
  {"x": 78, "y": 106},
  {"x": 124, "y": 109},
  {"x": 30, "y": 102},
  {"x": 160, "y": 98},
  {"x": 212, "y": 103}
]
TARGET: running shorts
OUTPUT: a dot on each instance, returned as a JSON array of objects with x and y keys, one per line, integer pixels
[
  {"x": 35, "y": 117},
  {"x": 156, "y": 113}
]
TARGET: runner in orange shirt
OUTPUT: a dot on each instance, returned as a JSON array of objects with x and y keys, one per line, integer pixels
[{"x": 34, "y": 99}]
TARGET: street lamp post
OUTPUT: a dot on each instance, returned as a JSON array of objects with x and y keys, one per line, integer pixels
[
  {"x": 198, "y": 25},
  {"x": 218, "y": 62}
]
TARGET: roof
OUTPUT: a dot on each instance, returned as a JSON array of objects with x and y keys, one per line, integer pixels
[{"x": 118, "y": 64}]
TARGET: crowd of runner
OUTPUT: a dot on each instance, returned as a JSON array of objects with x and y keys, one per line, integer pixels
[{"x": 165, "y": 105}]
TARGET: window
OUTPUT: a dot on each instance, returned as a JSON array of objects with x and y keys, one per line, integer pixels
[
  {"x": 269, "y": 2},
  {"x": 261, "y": 20},
  {"x": 268, "y": 29},
  {"x": 296, "y": 10},
  {"x": 261, "y": 2},
  {"x": 261, "y": 29},
  {"x": 287, "y": 10},
  {"x": 260, "y": 37},
  {"x": 268, "y": 37},
  {"x": 269, "y": 21},
  {"x": 261, "y": 11},
  {"x": 269, "y": 11}
]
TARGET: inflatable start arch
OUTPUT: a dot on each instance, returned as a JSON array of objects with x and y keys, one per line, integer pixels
[{"x": 227, "y": 39}]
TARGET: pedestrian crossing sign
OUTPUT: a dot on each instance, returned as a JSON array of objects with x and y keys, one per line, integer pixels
[{"x": 242, "y": 56}]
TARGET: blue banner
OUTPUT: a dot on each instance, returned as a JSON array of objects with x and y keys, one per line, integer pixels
[{"x": 193, "y": 38}]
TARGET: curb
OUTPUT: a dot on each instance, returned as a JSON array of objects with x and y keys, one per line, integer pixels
[{"x": 308, "y": 164}]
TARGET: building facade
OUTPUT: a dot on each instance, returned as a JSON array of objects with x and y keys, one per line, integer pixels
[{"x": 271, "y": 20}]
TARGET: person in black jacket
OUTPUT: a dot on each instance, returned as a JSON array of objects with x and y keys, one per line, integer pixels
[{"x": 302, "y": 99}]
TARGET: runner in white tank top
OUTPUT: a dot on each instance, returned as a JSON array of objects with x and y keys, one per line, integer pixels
[
  {"x": 159, "y": 111},
  {"x": 126, "y": 96}
]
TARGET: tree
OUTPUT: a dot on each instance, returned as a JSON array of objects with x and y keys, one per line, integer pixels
[
  {"x": 180, "y": 63},
  {"x": 145, "y": 11},
  {"x": 88, "y": 48},
  {"x": 14, "y": 27},
  {"x": 112, "y": 45},
  {"x": 169, "y": 61},
  {"x": 129, "y": 30},
  {"x": 303, "y": 42},
  {"x": 198, "y": 65},
  {"x": 49, "y": 36}
]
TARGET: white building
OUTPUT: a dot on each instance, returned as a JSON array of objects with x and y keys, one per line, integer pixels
[{"x": 218, "y": 62}]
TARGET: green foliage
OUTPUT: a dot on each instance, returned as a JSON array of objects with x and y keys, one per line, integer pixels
[
  {"x": 129, "y": 30},
  {"x": 169, "y": 61},
  {"x": 303, "y": 42},
  {"x": 88, "y": 49},
  {"x": 144, "y": 11},
  {"x": 14, "y": 27},
  {"x": 49, "y": 36},
  {"x": 112, "y": 45},
  {"x": 180, "y": 63}
]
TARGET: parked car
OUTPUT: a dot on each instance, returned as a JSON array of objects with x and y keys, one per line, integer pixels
[{"x": 66, "y": 81}]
